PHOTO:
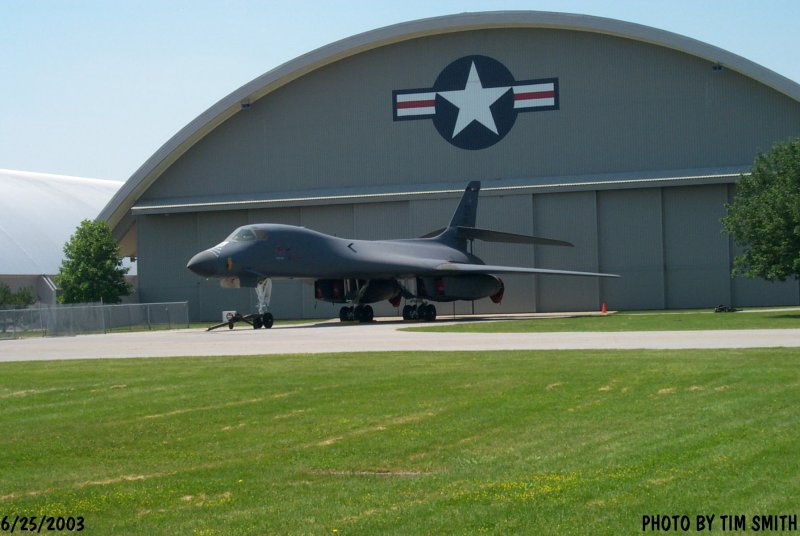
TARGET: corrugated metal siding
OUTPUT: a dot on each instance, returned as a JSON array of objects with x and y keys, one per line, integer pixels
[
  {"x": 287, "y": 215},
  {"x": 159, "y": 277},
  {"x": 426, "y": 215},
  {"x": 696, "y": 251},
  {"x": 379, "y": 221},
  {"x": 629, "y": 226},
  {"x": 333, "y": 220},
  {"x": 571, "y": 217}
]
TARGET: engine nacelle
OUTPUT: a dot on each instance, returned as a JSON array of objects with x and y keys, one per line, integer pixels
[
  {"x": 348, "y": 290},
  {"x": 460, "y": 287},
  {"x": 332, "y": 290}
]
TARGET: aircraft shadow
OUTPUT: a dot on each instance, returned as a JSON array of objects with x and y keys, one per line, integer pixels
[{"x": 383, "y": 321}]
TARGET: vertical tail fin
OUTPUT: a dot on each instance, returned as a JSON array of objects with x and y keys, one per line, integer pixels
[
  {"x": 464, "y": 216},
  {"x": 467, "y": 210}
]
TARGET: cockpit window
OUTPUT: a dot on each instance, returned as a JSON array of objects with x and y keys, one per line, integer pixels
[
  {"x": 247, "y": 234},
  {"x": 242, "y": 234}
]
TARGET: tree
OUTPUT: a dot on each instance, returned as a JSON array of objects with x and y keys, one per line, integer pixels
[
  {"x": 92, "y": 267},
  {"x": 15, "y": 300},
  {"x": 764, "y": 217},
  {"x": 6, "y": 296}
]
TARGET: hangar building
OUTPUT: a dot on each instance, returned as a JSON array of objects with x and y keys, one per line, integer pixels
[{"x": 623, "y": 139}]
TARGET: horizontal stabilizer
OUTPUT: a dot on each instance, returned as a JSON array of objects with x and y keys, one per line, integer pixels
[
  {"x": 458, "y": 268},
  {"x": 487, "y": 235}
]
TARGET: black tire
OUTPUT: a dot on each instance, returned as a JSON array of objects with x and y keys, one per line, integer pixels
[
  {"x": 257, "y": 322},
  {"x": 430, "y": 313},
  {"x": 363, "y": 313},
  {"x": 367, "y": 314},
  {"x": 267, "y": 320}
]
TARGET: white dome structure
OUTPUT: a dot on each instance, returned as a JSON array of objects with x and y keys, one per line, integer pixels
[{"x": 38, "y": 214}]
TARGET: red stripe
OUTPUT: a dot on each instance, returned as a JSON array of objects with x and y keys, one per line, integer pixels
[
  {"x": 416, "y": 104},
  {"x": 535, "y": 95}
]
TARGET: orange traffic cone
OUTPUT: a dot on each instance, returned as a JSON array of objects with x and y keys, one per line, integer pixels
[{"x": 603, "y": 309}]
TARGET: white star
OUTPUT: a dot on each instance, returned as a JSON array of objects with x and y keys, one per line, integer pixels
[{"x": 473, "y": 102}]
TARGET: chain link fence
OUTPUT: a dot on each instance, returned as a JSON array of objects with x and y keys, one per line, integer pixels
[{"x": 60, "y": 320}]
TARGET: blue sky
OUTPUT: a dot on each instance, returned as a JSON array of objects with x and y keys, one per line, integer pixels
[{"x": 93, "y": 88}]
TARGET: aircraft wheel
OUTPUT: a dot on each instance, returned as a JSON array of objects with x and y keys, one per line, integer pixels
[
  {"x": 267, "y": 320},
  {"x": 407, "y": 312},
  {"x": 343, "y": 314},
  {"x": 257, "y": 322},
  {"x": 366, "y": 315},
  {"x": 230, "y": 325},
  {"x": 430, "y": 313},
  {"x": 423, "y": 312},
  {"x": 363, "y": 313}
]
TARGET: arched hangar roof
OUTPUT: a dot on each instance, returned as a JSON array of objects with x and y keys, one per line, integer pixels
[{"x": 117, "y": 211}]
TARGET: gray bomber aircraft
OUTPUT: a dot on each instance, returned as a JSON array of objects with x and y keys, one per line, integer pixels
[{"x": 359, "y": 272}]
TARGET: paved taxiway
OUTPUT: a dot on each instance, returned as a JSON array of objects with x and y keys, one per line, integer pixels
[{"x": 384, "y": 335}]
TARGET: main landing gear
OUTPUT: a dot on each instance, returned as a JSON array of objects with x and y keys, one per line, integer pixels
[
  {"x": 360, "y": 313},
  {"x": 423, "y": 311}
]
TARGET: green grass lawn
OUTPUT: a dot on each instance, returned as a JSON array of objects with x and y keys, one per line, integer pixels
[
  {"x": 661, "y": 321},
  {"x": 401, "y": 443}
]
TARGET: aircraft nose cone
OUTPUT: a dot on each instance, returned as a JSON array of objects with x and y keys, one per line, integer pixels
[{"x": 204, "y": 263}]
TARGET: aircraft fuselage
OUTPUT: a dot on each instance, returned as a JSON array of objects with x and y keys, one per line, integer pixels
[{"x": 288, "y": 252}]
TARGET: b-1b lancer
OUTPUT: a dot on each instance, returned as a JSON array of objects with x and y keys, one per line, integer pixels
[{"x": 360, "y": 272}]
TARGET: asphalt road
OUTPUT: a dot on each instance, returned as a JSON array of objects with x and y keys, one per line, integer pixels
[{"x": 383, "y": 335}]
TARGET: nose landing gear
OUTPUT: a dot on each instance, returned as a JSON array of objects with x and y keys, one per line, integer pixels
[{"x": 261, "y": 319}]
